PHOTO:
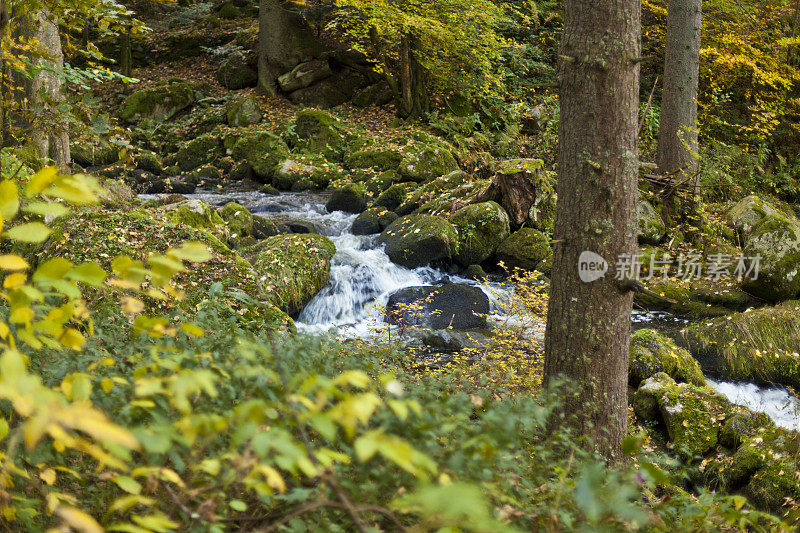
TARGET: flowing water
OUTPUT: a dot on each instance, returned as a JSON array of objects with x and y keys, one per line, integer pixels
[{"x": 363, "y": 278}]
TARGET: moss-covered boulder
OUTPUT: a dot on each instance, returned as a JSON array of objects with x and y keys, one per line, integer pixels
[
  {"x": 262, "y": 151},
  {"x": 199, "y": 151},
  {"x": 742, "y": 425},
  {"x": 426, "y": 163},
  {"x": 149, "y": 161},
  {"x": 748, "y": 212},
  {"x": 481, "y": 229},
  {"x": 243, "y": 113},
  {"x": 352, "y": 198},
  {"x": 652, "y": 353},
  {"x": 395, "y": 195},
  {"x": 760, "y": 345},
  {"x": 418, "y": 240},
  {"x": 526, "y": 248},
  {"x": 433, "y": 191},
  {"x": 88, "y": 154},
  {"x": 158, "y": 103},
  {"x": 692, "y": 415},
  {"x": 695, "y": 298},
  {"x": 293, "y": 268},
  {"x": 228, "y": 11},
  {"x": 651, "y": 227},
  {"x": 776, "y": 241},
  {"x": 234, "y": 73},
  {"x": 304, "y": 172},
  {"x": 194, "y": 213},
  {"x": 238, "y": 220},
  {"x": 305, "y": 74},
  {"x": 382, "y": 160},
  {"x": 373, "y": 220},
  {"x": 318, "y": 132}
]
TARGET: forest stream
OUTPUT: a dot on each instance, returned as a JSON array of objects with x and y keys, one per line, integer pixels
[{"x": 363, "y": 278}]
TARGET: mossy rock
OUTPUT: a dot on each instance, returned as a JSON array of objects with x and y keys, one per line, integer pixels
[
  {"x": 373, "y": 220},
  {"x": 748, "y": 212},
  {"x": 243, "y": 113},
  {"x": 262, "y": 151},
  {"x": 293, "y": 268},
  {"x": 88, "y": 155},
  {"x": 199, "y": 151},
  {"x": 382, "y": 160},
  {"x": 228, "y": 11},
  {"x": 158, "y": 103},
  {"x": 697, "y": 298},
  {"x": 526, "y": 248},
  {"x": 743, "y": 425},
  {"x": 651, "y": 353},
  {"x": 776, "y": 239},
  {"x": 238, "y": 220},
  {"x": 645, "y": 400},
  {"x": 481, "y": 229},
  {"x": 433, "y": 190},
  {"x": 352, "y": 198},
  {"x": 234, "y": 73},
  {"x": 149, "y": 161},
  {"x": 427, "y": 163},
  {"x": 759, "y": 345},
  {"x": 418, "y": 240},
  {"x": 194, "y": 213},
  {"x": 305, "y": 172},
  {"x": 117, "y": 194},
  {"x": 395, "y": 195},
  {"x": 378, "y": 184},
  {"x": 318, "y": 132},
  {"x": 651, "y": 227}
]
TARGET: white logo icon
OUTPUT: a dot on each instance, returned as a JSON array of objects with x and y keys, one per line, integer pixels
[{"x": 591, "y": 266}]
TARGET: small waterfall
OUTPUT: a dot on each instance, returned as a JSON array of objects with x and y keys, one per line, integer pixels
[{"x": 781, "y": 406}]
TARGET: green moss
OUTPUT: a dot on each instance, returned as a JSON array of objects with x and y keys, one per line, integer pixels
[
  {"x": 525, "y": 249},
  {"x": 318, "y": 132},
  {"x": 395, "y": 195},
  {"x": 262, "y": 151},
  {"x": 293, "y": 268},
  {"x": 351, "y": 198},
  {"x": 758, "y": 345},
  {"x": 158, "y": 103},
  {"x": 238, "y": 220},
  {"x": 481, "y": 228},
  {"x": 693, "y": 416},
  {"x": 228, "y": 11},
  {"x": 697, "y": 298},
  {"x": 427, "y": 163},
  {"x": 651, "y": 353},
  {"x": 748, "y": 212},
  {"x": 742, "y": 425},
  {"x": 651, "y": 227},
  {"x": 194, "y": 213},
  {"x": 243, "y": 113},
  {"x": 198, "y": 151},
  {"x": 776, "y": 239},
  {"x": 382, "y": 160},
  {"x": 418, "y": 240},
  {"x": 305, "y": 171},
  {"x": 435, "y": 189}
]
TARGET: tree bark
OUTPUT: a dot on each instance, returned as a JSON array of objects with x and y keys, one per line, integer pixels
[
  {"x": 4, "y": 99},
  {"x": 125, "y": 53},
  {"x": 588, "y": 323},
  {"x": 414, "y": 101},
  {"x": 44, "y": 91},
  {"x": 284, "y": 40},
  {"x": 677, "y": 136}
]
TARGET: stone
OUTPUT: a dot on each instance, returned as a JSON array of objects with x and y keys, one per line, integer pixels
[
  {"x": 158, "y": 103},
  {"x": 352, "y": 198},
  {"x": 526, "y": 248},
  {"x": 382, "y": 160},
  {"x": 373, "y": 220},
  {"x": 377, "y": 94},
  {"x": 243, "y": 113},
  {"x": 776, "y": 240},
  {"x": 262, "y": 151},
  {"x": 427, "y": 163},
  {"x": 199, "y": 151},
  {"x": 748, "y": 212},
  {"x": 651, "y": 227},
  {"x": 395, "y": 195},
  {"x": 451, "y": 305},
  {"x": 481, "y": 229},
  {"x": 234, "y": 73},
  {"x": 418, "y": 240},
  {"x": 318, "y": 132},
  {"x": 305, "y": 74},
  {"x": 652, "y": 353}
]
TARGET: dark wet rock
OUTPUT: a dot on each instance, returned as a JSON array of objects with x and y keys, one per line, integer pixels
[{"x": 446, "y": 306}]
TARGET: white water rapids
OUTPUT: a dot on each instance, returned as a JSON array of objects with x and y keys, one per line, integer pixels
[{"x": 363, "y": 278}]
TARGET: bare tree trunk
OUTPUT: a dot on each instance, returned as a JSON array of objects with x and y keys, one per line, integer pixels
[
  {"x": 413, "y": 89},
  {"x": 284, "y": 40},
  {"x": 677, "y": 136},
  {"x": 44, "y": 90},
  {"x": 588, "y": 323},
  {"x": 125, "y": 53},
  {"x": 3, "y": 78}
]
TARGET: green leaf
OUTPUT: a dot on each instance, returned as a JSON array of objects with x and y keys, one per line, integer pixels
[
  {"x": 53, "y": 209},
  {"x": 238, "y": 505},
  {"x": 30, "y": 232},
  {"x": 195, "y": 252},
  {"x": 128, "y": 484},
  {"x": 52, "y": 269},
  {"x": 88, "y": 273}
]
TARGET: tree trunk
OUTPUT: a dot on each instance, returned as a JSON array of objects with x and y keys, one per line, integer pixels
[
  {"x": 284, "y": 40},
  {"x": 4, "y": 98},
  {"x": 677, "y": 136},
  {"x": 588, "y": 323},
  {"x": 49, "y": 133},
  {"x": 125, "y": 53},
  {"x": 414, "y": 101}
]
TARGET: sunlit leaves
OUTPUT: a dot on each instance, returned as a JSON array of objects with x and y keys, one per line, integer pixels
[{"x": 30, "y": 232}]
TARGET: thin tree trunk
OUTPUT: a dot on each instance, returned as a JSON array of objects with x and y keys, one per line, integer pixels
[
  {"x": 49, "y": 134},
  {"x": 284, "y": 40},
  {"x": 677, "y": 137},
  {"x": 4, "y": 99},
  {"x": 125, "y": 53},
  {"x": 588, "y": 323}
]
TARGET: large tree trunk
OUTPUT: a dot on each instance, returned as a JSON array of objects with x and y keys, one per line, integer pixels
[
  {"x": 284, "y": 40},
  {"x": 677, "y": 136},
  {"x": 414, "y": 101},
  {"x": 588, "y": 323},
  {"x": 49, "y": 132}
]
